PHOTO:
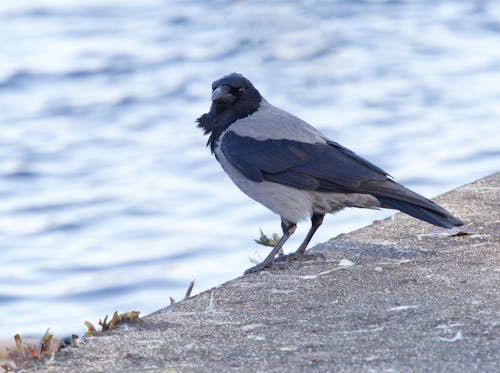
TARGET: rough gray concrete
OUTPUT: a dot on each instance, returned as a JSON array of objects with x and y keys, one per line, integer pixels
[{"x": 411, "y": 301}]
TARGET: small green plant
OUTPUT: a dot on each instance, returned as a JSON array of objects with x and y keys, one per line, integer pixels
[
  {"x": 266, "y": 241},
  {"x": 106, "y": 326},
  {"x": 30, "y": 351},
  {"x": 48, "y": 345}
]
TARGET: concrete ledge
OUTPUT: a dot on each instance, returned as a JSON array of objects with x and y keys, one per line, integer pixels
[{"x": 410, "y": 301}]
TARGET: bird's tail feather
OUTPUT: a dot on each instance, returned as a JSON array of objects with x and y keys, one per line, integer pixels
[{"x": 431, "y": 213}]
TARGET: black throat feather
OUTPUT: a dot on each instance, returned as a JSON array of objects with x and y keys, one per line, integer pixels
[{"x": 220, "y": 117}]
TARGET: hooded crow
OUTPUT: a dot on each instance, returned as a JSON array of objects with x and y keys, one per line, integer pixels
[{"x": 293, "y": 169}]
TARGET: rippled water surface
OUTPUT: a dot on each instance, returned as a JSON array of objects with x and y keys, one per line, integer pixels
[{"x": 109, "y": 198}]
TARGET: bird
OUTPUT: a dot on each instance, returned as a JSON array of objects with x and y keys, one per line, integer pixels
[{"x": 290, "y": 167}]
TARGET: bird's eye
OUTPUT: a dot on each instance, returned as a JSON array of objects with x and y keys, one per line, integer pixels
[{"x": 241, "y": 90}]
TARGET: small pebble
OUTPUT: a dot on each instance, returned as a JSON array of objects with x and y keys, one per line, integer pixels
[
  {"x": 378, "y": 269},
  {"x": 346, "y": 263}
]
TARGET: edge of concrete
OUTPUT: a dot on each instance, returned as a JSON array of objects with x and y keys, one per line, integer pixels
[{"x": 394, "y": 296}]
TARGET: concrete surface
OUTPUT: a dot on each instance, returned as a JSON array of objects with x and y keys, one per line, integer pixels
[{"x": 404, "y": 300}]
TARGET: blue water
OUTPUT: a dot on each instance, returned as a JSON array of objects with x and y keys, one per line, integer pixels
[{"x": 110, "y": 200}]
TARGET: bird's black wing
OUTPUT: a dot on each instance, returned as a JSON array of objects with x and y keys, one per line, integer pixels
[{"x": 326, "y": 167}]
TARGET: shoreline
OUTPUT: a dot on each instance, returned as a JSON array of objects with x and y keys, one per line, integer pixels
[{"x": 397, "y": 294}]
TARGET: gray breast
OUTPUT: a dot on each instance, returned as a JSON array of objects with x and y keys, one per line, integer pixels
[{"x": 292, "y": 204}]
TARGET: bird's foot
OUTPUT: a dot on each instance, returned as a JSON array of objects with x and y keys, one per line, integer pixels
[
  {"x": 257, "y": 268},
  {"x": 278, "y": 263},
  {"x": 299, "y": 256}
]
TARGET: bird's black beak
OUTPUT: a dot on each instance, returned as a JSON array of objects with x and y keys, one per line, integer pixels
[{"x": 222, "y": 94}]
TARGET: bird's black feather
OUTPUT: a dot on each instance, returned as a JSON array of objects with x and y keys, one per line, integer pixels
[
  {"x": 285, "y": 161},
  {"x": 221, "y": 116},
  {"x": 326, "y": 167},
  {"x": 433, "y": 214}
]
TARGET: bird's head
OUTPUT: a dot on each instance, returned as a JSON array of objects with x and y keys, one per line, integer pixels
[
  {"x": 233, "y": 97},
  {"x": 234, "y": 92}
]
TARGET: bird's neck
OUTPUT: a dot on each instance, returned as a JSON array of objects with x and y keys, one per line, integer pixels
[{"x": 218, "y": 119}]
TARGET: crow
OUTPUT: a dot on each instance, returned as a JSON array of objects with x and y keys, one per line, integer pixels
[{"x": 294, "y": 170}]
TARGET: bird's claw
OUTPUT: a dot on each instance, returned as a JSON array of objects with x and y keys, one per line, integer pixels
[
  {"x": 277, "y": 263},
  {"x": 299, "y": 256},
  {"x": 257, "y": 268}
]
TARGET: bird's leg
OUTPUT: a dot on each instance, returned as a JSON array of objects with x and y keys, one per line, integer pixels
[
  {"x": 316, "y": 221},
  {"x": 284, "y": 228},
  {"x": 288, "y": 230}
]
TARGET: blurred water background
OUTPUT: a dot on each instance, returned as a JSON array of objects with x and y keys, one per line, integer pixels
[{"x": 109, "y": 199}]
